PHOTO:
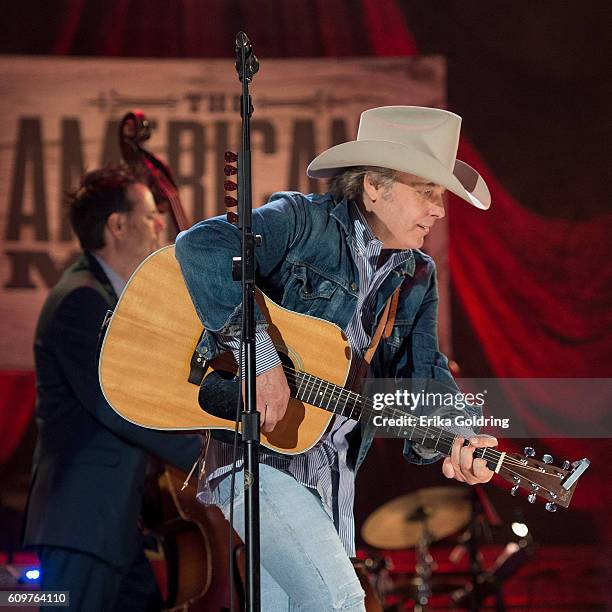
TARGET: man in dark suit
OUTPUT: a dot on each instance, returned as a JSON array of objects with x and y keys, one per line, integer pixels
[{"x": 90, "y": 464}]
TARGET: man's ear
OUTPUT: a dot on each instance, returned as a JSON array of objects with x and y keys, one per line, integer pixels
[
  {"x": 116, "y": 224},
  {"x": 369, "y": 188}
]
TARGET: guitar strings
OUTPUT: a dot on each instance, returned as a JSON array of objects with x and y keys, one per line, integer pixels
[
  {"x": 367, "y": 408},
  {"x": 337, "y": 392},
  {"x": 329, "y": 395}
]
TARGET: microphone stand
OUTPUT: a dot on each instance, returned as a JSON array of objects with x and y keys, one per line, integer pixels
[{"x": 246, "y": 66}]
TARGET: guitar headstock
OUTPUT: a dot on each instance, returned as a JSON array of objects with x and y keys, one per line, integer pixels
[{"x": 542, "y": 479}]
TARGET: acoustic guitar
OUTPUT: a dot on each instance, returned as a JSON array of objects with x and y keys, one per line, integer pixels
[{"x": 147, "y": 354}]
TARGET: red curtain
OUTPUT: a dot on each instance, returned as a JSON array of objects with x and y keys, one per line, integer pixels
[
  {"x": 536, "y": 290},
  {"x": 17, "y": 394},
  {"x": 193, "y": 28},
  {"x": 387, "y": 31}
]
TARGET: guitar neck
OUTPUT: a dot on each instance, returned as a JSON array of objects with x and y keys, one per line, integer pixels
[
  {"x": 340, "y": 401},
  {"x": 554, "y": 485}
]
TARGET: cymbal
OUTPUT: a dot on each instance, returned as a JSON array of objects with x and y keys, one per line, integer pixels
[{"x": 400, "y": 523}]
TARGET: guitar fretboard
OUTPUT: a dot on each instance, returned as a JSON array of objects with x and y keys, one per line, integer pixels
[{"x": 338, "y": 400}]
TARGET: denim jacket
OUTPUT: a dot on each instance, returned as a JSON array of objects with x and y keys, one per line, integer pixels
[{"x": 304, "y": 264}]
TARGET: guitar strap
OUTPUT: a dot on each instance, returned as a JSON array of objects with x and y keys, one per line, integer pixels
[{"x": 384, "y": 328}]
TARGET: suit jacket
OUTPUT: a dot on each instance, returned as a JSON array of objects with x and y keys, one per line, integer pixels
[{"x": 89, "y": 464}]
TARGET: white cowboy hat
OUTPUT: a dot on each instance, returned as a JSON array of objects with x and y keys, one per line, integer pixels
[{"x": 414, "y": 139}]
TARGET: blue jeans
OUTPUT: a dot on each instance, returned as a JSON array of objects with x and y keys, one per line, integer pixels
[{"x": 303, "y": 563}]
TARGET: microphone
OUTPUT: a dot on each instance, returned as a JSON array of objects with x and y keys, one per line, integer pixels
[{"x": 251, "y": 62}]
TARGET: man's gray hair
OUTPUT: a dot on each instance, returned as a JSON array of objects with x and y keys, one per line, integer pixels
[{"x": 349, "y": 183}]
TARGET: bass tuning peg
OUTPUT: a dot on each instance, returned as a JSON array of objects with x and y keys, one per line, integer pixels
[
  {"x": 528, "y": 451},
  {"x": 551, "y": 506},
  {"x": 231, "y": 203},
  {"x": 547, "y": 458}
]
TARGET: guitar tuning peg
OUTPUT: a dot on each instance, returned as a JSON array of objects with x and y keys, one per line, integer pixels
[
  {"x": 551, "y": 506},
  {"x": 528, "y": 451},
  {"x": 566, "y": 465},
  {"x": 514, "y": 490},
  {"x": 531, "y": 498},
  {"x": 230, "y": 157},
  {"x": 547, "y": 458}
]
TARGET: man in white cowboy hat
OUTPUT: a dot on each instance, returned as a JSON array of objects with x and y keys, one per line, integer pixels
[{"x": 339, "y": 256}]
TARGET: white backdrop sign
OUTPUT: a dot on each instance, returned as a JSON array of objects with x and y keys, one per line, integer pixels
[{"x": 59, "y": 118}]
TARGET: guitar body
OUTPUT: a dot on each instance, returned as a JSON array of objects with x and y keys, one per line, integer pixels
[{"x": 147, "y": 350}]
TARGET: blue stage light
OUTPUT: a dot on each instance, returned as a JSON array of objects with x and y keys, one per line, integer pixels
[{"x": 32, "y": 575}]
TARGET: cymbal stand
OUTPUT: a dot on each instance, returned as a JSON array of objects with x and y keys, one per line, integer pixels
[
  {"x": 424, "y": 565},
  {"x": 479, "y": 527}
]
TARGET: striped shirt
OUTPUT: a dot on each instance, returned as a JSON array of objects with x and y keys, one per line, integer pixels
[{"x": 323, "y": 469}]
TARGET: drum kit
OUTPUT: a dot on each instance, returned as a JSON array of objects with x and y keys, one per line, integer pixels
[{"x": 415, "y": 522}]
